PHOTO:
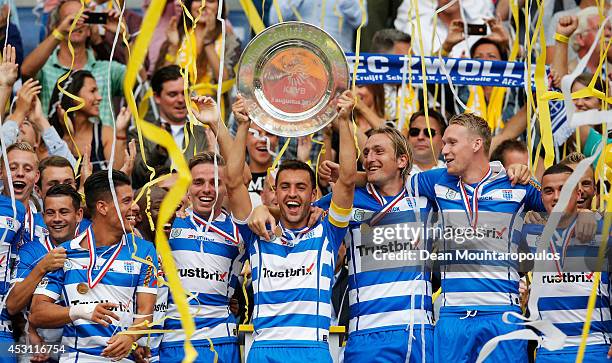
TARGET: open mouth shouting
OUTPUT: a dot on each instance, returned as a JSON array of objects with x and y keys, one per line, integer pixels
[{"x": 19, "y": 186}]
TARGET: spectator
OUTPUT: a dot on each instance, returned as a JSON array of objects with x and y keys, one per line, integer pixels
[
  {"x": 426, "y": 145},
  {"x": 28, "y": 124},
  {"x": 200, "y": 49},
  {"x": 475, "y": 11},
  {"x": 82, "y": 130},
  {"x": 167, "y": 84},
  {"x": 341, "y": 18},
  {"x": 550, "y": 29},
  {"x": 511, "y": 152},
  {"x": 52, "y": 58},
  {"x": 260, "y": 145},
  {"x": 583, "y": 37},
  {"x": 392, "y": 41}
]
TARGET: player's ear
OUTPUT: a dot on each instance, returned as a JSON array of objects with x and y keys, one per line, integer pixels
[{"x": 102, "y": 207}]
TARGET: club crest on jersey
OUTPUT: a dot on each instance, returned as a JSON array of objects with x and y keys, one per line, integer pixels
[
  {"x": 175, "y": 232},
  {"x": 43, "y": 282},
  {"x": 67, "y": 264},
  {"x": 507, "y": 194},
  {"x": 450, "y": 194},
  {"x": 128, "y": 266},
  {"x": 9, "y": 223}
]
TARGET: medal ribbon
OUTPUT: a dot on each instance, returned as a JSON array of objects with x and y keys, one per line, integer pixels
[
  {"x": 29, "y": 222},
  {"x": 472, "y": 209},
  {"x": 381, "y": 200},
  {"x": 47, "y": 244},
  {"x": 91, "y": 280},
  {"x": 219, "y": 231},
  {"x": 293, "y": 235},
  {"x": 566, "y": 237}
]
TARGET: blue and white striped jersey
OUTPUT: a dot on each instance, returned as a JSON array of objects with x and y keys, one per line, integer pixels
[
  {"x": 480, "y": 226},
  {"x": 153, "y": 340},
  {"x": 292, "y": 282},
  {"x": 563, "y": 294},
  {"x": 386, "y": 295},
  {"x": 11, "y": 236},
  {"x": 126, "y": 276},
  {"x": 28, "y": 256},
  {"x": 208, "y": 263}
]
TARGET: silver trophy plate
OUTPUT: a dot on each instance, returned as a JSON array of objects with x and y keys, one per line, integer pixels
[{"x": 290, "y": 76}]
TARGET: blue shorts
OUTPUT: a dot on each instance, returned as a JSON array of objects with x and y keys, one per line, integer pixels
[
  {"x": 390, "y": 346},
  {"x": 6, "y": 338},
  {"x": 593, "y": 354},
  {"x": 227, "y": 353},
  {"x": 273, "y": 354},
  {"x": 458, "y": 338}
]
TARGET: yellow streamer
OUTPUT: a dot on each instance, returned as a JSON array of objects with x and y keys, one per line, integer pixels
[
  {"x": 253, "y": 17},
  {"x": 541, "y": 87},
  {"x": 172, "y": 199}
]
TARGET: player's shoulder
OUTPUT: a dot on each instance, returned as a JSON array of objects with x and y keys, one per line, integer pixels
[
  {"x": 140, "y": 243},
  {"x": 6, "y": 207}
]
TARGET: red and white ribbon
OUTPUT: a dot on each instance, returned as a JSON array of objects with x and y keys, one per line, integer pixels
[
  {"x": 471, "y": 209},
  {"x": 92, "y": 280},
  {"x": 219, "y": 231},
  {"x": 381, "y": 200}
]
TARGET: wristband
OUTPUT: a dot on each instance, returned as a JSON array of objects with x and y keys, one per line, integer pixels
[
  {"x": 561, "y": 38},
  {"x": 58, "y": 35},
  {"x": 82, "y": 311},
  {"x": 120, "y": 137}
]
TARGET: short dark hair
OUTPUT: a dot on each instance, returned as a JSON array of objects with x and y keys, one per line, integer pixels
[
  {"x": 162, "y": 75},
  {"x": 484, "y": 40},
  {"x": 432, "y": 114},
  {"x": 293, "y": 164},
  {"x": 206, "y": 157},
  {"x": 558, "y": 169},
  {"x": 53, "y": 161},
  {"x": 507, "y": 145},
  {"x": 64, "y": 190},
  {"x": 384, "y": 39},
  {"x": 97, "y": 187}
]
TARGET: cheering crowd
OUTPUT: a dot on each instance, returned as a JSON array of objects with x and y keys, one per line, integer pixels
[{"x": 295, "y": 235}]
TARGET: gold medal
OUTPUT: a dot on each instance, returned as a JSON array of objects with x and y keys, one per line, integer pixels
[
  {"x": 82, "y": 288},
  {"x": 278, "y": 232}
]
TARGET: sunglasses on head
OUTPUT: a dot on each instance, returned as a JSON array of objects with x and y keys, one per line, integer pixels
[{"x": 415, "y": 131}]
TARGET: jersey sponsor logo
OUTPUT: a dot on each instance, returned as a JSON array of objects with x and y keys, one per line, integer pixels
[
  {"x": 507, "y": 194},
  {"x": 120, "y": 306},
  {"x": 290, "y": 272},
  {"x": 568, "y": 277},
  {"x": 494, "y": 232},
  {"x": 161, "y": 307},
  {"x": 202, "y": 273}
]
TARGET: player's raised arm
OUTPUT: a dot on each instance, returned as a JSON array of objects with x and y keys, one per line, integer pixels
[
  {"x": 239, "y": 200},
  {"x": 343, "y": 191}
]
